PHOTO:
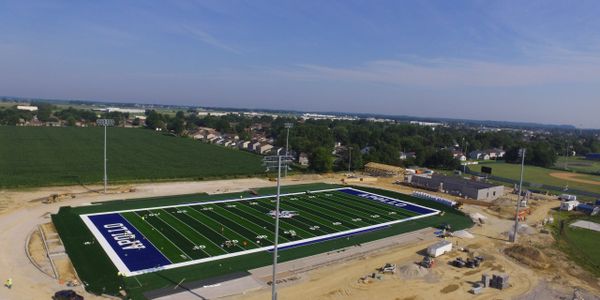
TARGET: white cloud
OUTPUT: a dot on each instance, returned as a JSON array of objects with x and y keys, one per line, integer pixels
[{"x": 458, "y": 72}]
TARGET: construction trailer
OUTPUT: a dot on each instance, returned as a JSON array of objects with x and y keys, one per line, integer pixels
[
  {"x": 568, "y": 205},
  {"x": 439, "y": 248}
]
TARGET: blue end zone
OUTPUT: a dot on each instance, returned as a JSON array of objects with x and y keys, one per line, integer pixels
[
  {"x": 390, "y": 201},
  {"x": 131, "y": 246}
]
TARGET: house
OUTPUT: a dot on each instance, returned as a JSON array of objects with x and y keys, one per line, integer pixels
[
  {"x": 459, "y": 155},
  {"x": 479, "y": 155},
  {"x": 407, "y": 155},
  {"x": 495, "y": 153},
  {"x": 244, "y": 144},
  {"x": 263, "y": 148},
  {"x": 366, "y": 150},
  {"x": 303, "y": 159},
  {"x": 254, "y": 146},
  {"x": 228, "y": 143}
]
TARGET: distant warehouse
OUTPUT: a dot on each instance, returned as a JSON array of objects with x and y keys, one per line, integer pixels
[{"x": 457, "y": 186}]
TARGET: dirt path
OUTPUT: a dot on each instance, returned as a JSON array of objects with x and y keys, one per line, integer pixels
[{"x": 573, "y": 177}]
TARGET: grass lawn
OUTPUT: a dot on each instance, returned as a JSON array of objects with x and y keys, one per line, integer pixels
[
  {"x": 540, "y": 175},
  {"x": 578, "y": 164},
  {"x": 42, "y": 156},
  {"x": 582, "y": 245}
]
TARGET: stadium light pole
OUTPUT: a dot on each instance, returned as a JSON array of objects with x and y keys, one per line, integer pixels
[
  {"x": 105, "y": 123},
  {"x": 522, "y": 153},
  {"x": 271, "y": 161},
  {"x": 287, "y": 142}
]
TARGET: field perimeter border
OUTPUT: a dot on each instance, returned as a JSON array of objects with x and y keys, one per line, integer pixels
[{"x": 124, "y": 270}]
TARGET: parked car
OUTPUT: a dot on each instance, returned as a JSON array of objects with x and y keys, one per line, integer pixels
[{"x": 67, "y": 295}]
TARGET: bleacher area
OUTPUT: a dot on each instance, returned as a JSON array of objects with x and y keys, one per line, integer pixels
[{"x": 157, "y": 238}]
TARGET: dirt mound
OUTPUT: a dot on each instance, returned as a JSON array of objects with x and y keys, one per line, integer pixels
[
  {"x": 410, "y": 271},
  {"x": 528, "y": 255}
]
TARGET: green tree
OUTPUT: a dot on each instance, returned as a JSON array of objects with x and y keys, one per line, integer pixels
[{"x": 321, "y": 160}]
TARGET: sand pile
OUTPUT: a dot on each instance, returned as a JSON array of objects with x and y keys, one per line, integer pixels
[
  {"x": 463, "y": 234},
  {"x": 410, "y": 271},
  {"x": 528, "y": 255}
]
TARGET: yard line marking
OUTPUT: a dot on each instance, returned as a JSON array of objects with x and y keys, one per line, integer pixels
[
  {"x": 239, "y": 234},
  {"x": 261, "y": 215},
  {"x": 160, "y": 232},
  {"x": 194, "y": 229},
  {"x": 300, "y": 219},
  {"x": 172, "y": 227},
  {"x": 329, "y": 207}
]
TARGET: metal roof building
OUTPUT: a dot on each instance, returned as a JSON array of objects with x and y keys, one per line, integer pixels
[{"x": 457, "y": 186}]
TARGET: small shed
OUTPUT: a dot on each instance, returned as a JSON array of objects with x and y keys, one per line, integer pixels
[{"x": 439, "y": 248}]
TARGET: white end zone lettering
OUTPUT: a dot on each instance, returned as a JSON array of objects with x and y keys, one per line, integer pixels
[
  {"x": 383, "y": 200},
  {"x": 124, "y": 237}
]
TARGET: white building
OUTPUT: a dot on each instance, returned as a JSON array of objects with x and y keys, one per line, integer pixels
[{"x": 27, "y": 107}]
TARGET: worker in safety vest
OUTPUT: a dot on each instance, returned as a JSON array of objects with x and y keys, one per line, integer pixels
[{"x": 8, "y": 283}]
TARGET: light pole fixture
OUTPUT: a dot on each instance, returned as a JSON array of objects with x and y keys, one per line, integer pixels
[
  {"x": 276, "y": 161},
  {"x": 522, "y": 153},
  {"x": 105, "y": 123}
]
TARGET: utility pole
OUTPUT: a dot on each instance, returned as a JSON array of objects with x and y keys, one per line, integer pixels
[
  {"x": 105, "y": 123},
  {"x": 271, "y": 161},
  {"x": 522, "y": 153},
  {"x": 566, "y": 155},
  {"x": 349, "y": 159},
  {"x": 287, "y": 142}
]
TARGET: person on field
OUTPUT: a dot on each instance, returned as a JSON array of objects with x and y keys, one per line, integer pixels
[{"x": 8, "y": 283}]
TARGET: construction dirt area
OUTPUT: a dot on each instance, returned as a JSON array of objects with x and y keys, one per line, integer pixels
[
  {"x": 574, "y": 177},
  {"x": 535, "y": 268}
]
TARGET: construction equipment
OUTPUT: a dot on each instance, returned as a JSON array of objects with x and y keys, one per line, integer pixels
[
  {"x": 427, "y": 262},
  {"x": 388, "y": 268}
]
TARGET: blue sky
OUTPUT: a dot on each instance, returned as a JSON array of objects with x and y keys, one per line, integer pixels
[{"x": 498, "y": 60}]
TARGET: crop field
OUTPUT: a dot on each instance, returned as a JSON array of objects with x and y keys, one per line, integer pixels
[
  {"x": 542, "y": 176},
  {"x": 42, "y": 156},
  {"x": 151, "y": 244}
]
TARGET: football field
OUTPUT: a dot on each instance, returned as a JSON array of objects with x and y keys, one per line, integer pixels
[{"x": 156, "y": 238}]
